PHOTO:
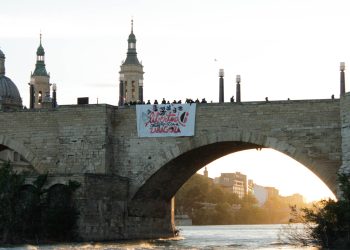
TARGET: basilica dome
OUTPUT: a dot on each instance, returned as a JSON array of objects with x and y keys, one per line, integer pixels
[
  {"x": 9, "y": 94},
  {"x": 8, "y": 90}
]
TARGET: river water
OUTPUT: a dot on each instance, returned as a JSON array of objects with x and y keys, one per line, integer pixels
[{"x": 263, "y": 237}]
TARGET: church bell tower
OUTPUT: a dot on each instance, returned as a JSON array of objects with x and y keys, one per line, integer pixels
[
  {"x": 40, "y": 82},
  {"x": 131, "y": 74}
]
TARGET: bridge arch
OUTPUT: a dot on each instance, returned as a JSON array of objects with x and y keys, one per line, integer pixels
[
  {"x": 9, "y": 143},
  {"x": 187, "y": 157}
]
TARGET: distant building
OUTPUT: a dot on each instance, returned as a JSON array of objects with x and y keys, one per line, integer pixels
[
  {"x": 272, "y": 192},
  {"x": 260, "y": 194},
  {"x": 233, "y": 182},
  {"x": 250, "y": 187},
  {"x": 295, "y": 199}
]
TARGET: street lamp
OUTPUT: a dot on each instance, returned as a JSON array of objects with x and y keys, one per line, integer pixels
[
  {"x": 31, "y": 93},
  {"x": 342, "y": 79},
  {"x": 141, "y": 90},
  {"x": 54, "y": 97},
  {"x": 238, "y": 88},
  {"x": 238, "y": 78},
  {"x": 121, "y": 90},
  {"x": 221, "y": 85},
  {"x": 342, "y": 66}
]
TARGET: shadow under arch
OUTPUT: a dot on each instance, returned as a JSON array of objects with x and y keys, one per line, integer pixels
[
  {"x": 165, "y": 182},
  {"x": 9, "y": 143}
]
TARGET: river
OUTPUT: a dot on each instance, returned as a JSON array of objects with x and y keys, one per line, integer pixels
[{"x": 263, "y": 237}]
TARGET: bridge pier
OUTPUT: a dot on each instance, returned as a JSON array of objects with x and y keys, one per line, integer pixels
[
  {"x": 151, "y": 219},
  {"x": 107, "y": 214}
]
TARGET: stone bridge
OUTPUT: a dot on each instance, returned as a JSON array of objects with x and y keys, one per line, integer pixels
[{"x": 128, "y": 182}]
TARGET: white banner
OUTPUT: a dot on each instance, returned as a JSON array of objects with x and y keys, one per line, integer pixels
[{"x": 163, "y": 120}]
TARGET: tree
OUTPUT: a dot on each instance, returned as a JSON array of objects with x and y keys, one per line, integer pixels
[
  {"x": 10, "y": 186},
  {"x": 60, "y": 215},
  {"x": 327, "y": 223},
  {"x": 29, "y": 213}
]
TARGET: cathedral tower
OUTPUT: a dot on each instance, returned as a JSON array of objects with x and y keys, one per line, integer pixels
[
  {"x": 131, "y": 74},
  {"x": 40, "y": 82}
]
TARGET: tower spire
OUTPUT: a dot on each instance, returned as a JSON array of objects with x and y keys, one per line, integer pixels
[
  {"x": 132, "y": 25},
  {"x": 40, "y": 69}
]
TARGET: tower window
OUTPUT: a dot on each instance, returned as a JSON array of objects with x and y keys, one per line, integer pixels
[
  {"x": 40, "y": 97},
  {"x": 133, "y": 89},
  {"x": 126, "y": 89}
]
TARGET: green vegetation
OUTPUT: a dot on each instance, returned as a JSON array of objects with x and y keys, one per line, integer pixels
[
  {"x": 327, "y": 223},
  {"x": 32, "y": 213},
  {"x": 208, "y": 204}
]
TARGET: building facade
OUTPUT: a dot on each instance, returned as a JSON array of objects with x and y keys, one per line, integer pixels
[
  {"x": 233, "y": 182},
  {"x": 260, "y": 194},
  {"x": 131, "y": 74}
]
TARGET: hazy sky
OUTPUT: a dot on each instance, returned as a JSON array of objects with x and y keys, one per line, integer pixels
[{"x": 281, "y": 48}]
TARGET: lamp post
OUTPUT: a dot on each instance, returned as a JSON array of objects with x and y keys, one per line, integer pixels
[
  {"x": 121, "y": 90},
  {"x": 342, "y": 79},
  {"x": 221, "y": 85},
  {"x": 141, "y": 90},
  {"x": 54, "y": 96},
  {"x": 238, "y": 88},
  {"x": 31, "y": 94}
]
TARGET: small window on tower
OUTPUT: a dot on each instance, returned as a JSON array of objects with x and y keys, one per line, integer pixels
[
  {"x": 40, "y": 97},
  {"x": 133, "y": 89}
]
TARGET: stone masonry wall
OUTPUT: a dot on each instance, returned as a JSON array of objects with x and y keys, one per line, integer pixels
[
  {"x": 345, "y": 133},
  {"x": 70, "y": 139}
]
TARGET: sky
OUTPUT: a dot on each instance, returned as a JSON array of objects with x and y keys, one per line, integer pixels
[{"x": 281, "y": 48}]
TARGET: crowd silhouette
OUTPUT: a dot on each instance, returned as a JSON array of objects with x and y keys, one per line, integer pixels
[{"x": 188, "y": 100}]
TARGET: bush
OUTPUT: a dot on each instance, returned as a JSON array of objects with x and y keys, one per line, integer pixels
[
  {"x": 31, "y": 213},
  {"x": 327, "y": 223}
]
